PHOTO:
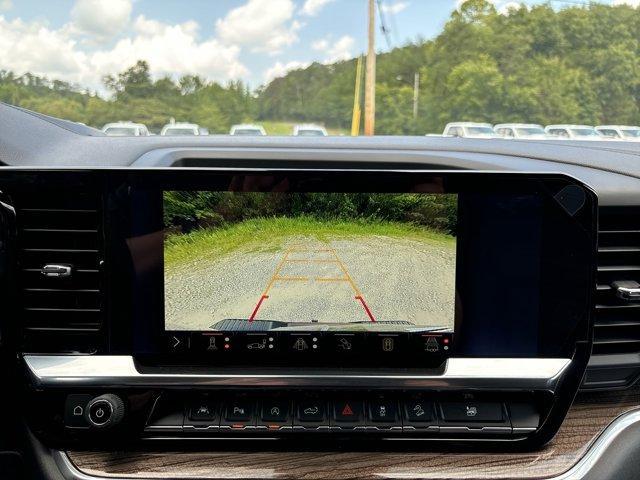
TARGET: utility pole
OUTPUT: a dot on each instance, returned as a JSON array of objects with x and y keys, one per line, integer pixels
[
  {"x": 416, "y": 89},
  {"x": 370, "y": 80}
]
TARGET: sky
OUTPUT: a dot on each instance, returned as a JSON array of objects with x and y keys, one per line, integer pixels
[{"x": 80, "y": 41}]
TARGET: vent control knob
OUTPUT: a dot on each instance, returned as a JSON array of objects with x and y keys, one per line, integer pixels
[
  {"x": 105, "y": 411},
  {"x": 627, "y": 290},
  {"x": 56, "y": 271}
]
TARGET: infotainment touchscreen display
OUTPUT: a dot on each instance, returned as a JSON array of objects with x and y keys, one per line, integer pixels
[
  {"x": 386, "y": 268},
  {"x": 336, "y": 262}
]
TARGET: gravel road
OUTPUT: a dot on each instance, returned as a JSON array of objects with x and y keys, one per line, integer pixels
[{"x": 305, "y": 280}]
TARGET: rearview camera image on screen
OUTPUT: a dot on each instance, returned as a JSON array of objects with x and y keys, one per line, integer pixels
[{"x": 309, "y": 261}]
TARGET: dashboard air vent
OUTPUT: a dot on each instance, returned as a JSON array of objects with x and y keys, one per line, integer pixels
[
  {"x": 59, "y": 238},
  {"x": 616, "y": 350}
]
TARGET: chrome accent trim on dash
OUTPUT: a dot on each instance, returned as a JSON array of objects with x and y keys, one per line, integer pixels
[{"x": 121, "y": 371}]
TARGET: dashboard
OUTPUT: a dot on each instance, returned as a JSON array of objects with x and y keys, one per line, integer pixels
[{"x": 490, "y": 331}]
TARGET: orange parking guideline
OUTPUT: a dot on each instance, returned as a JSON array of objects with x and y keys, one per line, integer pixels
[
  {"x": 275, "y": 274},
  {"x": 346, "y": 273},
  {"x": 298, "y": 248},
  {"x": 302, "y": 260}
]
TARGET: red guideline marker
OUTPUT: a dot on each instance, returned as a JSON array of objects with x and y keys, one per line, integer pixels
[
  {"x": 366, "y": 308},
  {"x": 255, "y": 310}
]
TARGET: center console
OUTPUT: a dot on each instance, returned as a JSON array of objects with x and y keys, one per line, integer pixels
[{"x": 261, "y": 304}]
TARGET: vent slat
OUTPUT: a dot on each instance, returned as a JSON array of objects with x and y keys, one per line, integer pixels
[
  {"x": 79, "y": 270},
  {"x": 58, "y": 230},
  {"x": 618, "y": 249},
  {"x": 616, "y": 340},
  {"x": 58, "y": 210},
  {"x": 618, "y": 323},
  {"x": 58, "y": 250},
  {"x": 62, "y": 290},
  {"x": 66, "y": 310},
  {"x": 618, "y": 268},
  {"x": 620, "y": 306}
]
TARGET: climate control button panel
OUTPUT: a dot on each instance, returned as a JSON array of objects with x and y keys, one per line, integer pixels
[{"x": 410, "y": 413}]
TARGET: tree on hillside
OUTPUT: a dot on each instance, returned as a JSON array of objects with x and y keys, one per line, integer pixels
[{"x": 134, "y": 82}]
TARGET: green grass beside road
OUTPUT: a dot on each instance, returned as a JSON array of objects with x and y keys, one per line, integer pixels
[
  {"x": 286, "y": 128},
  {"x": 268, "y": 233}
]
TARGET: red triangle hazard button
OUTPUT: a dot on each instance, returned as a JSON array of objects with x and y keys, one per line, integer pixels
[{"x": 347, "y": 411}]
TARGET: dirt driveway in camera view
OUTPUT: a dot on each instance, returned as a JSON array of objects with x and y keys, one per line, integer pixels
[{"x": 369, "y": 279}]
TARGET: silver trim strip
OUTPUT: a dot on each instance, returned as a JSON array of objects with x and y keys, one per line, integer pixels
[
  {"x": 121, "y": 371},
  {"x": 596, "y": 453}
]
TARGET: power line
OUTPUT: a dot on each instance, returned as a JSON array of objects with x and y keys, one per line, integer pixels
[
  {"x": 577, "y": 2},
  {"x": 394, "y": 26},
  {"x": 383, "y": 24}
]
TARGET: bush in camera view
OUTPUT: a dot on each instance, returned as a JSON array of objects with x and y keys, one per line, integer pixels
[{"x": 309, "y": 260}]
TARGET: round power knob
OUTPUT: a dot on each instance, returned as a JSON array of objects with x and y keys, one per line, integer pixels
[{"x": 105, "y": 411}]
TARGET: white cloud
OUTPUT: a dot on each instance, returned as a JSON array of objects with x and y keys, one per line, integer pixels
[
  {"x": 261, "y": 25},
  {"x": 101, "y": 19},
  {"x": 170, "y": 50},
  {"x": 394, "y": 8},
  {"x": 280, "y": 69},
  {"x": 5, "y": 5},
  {"x": 505, "y": 8},
  {"x": 341, "y": 49},
  {"x": 320, "y": 45},
  {"x": 631, "y": 3},
  {"x": 312, "y": 7},
  {"x": 32, "y": 47}
]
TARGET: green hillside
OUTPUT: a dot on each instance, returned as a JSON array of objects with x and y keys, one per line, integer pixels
[
  {"x": 577, "y": 65},
  {"x": 580, "y": 64}
]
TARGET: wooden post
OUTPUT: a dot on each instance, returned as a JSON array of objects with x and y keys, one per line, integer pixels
[
  {"x": 370, "y": 80},
  {"x": 416, "y": 89}
]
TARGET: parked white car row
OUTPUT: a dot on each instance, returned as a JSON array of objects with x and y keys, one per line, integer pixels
[
  {"x": 620, "y": 132},
  {"x": 131, "y": 129},
  {"x": 533, "y": 131}
]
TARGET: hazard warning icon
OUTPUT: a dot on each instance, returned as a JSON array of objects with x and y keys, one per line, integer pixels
[{"x": 347, "y": 411}]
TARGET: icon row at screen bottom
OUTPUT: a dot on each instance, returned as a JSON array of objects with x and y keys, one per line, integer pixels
[{"x": 308, "y": 343}]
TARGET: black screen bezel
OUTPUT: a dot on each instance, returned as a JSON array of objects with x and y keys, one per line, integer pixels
[{"x": 557, "y": 335}]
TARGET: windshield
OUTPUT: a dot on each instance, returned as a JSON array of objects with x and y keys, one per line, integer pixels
[
  {"x": 180, "y": 131},
  {"x": 529, "y": 131},
  {"x": 584, "y": 132},
  {"x": 310, "y": 133},
  {"x": 249, "y": 132},
  {"x": 630, "y": 133},
  {"x": 480, "y": 131},
  {"x": 283, "y": 63},
  {"x": 120, "y": 131}
]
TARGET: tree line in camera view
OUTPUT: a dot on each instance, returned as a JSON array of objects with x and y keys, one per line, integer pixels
[
  {"x": 577, "y": 64},
  {"x": 188, "y": 211}
]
